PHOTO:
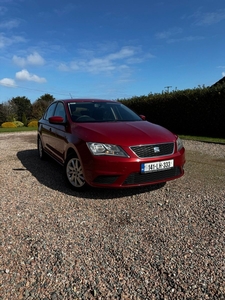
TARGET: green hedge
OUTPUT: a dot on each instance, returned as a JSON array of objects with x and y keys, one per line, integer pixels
[{"x": 200, "y": 111}]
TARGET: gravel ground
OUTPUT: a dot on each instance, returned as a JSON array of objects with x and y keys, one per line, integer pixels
[{"x": 160, "y": 242}]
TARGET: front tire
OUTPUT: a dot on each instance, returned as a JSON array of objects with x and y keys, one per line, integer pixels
[
  {"x": 41, "y": 152},
  {"x": 74, "y": 173}
]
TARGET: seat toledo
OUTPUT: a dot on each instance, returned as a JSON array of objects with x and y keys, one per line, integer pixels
[{"x": 102, "y": 143}]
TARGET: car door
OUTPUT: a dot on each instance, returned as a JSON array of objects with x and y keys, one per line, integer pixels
[
  {"x": 46, "y": 128},
  {"x": 59, "y": 133}
]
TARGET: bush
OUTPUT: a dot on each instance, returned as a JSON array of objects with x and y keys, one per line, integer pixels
[
  {"x": 8, "y": 125},
  {"x": 24, "y": 119},
  {"x": 33, "y": 124},
  {"x": 18, "y": 124}
]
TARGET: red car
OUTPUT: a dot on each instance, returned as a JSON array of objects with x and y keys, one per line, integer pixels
[{"x": 102, "y": 143}]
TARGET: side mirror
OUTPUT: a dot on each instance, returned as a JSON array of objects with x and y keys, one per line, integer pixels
[
  {"x": 142, "y": 117},
  {"x": 56, "y": 120}
]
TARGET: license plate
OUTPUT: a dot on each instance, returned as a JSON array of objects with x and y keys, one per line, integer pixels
[{"x": 157, "y": 166}]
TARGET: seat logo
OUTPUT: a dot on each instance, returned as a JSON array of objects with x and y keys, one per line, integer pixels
[{"x": 156, "y": 149}]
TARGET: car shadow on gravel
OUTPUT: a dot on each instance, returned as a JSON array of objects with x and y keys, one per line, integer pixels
[{"x": 50, "y": 173}]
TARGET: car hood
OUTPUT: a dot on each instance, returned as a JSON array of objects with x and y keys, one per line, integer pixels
[{"x": 123, "y": 133}]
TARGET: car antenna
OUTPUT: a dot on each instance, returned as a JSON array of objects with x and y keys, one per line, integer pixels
[{"x": 71, "y": 96}]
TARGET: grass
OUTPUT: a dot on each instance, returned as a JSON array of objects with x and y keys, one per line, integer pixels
[
  {"x": 203, "y": 139},
  {"x": 17, "y": 129}
]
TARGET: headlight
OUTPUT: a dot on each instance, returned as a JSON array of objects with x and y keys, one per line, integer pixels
[
  {"x": 106, "y": 149},
  {"x": 179, "y": 144}
]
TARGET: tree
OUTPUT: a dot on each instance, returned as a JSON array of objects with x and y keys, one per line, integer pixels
[
  {"x": 40, "y": 105},
  {"x": 24, "y": 119},
  {"x": 46, "y": 98},
  {"x": 2, "y": 114},
  {"x": 8, "y": 112},
  {"x": 23, "y": 106}
]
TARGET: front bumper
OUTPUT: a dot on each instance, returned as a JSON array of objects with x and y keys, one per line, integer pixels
[{"x": 118, "y": 172}]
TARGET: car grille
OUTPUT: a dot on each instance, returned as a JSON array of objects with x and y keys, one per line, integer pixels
[
  {"x": 138, "y": 178},
  {"x": 153, "y": 150}
]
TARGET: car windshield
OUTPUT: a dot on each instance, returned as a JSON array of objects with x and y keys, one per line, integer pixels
[{"x": 101, "y": 112}]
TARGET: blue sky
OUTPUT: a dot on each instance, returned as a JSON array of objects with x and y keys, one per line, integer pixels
[{"x": 109, "y": 48}]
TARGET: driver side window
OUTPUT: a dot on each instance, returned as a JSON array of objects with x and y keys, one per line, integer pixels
[
  {"x": 50, "y": 111},
  {"x": 60, "y": 111}
]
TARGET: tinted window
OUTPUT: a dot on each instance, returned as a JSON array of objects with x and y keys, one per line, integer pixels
[
  {"x": 123, "y": 113},
  {"x": 60, "y": 110},
  {"x": 101, "y": 112},
  {"x": 50, "y": 112}
]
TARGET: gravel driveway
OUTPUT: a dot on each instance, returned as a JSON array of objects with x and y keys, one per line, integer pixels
[{"x": 161, "y": 242}]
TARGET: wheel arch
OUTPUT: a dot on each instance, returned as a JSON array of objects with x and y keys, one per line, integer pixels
[{"x": 70, "y": 151}]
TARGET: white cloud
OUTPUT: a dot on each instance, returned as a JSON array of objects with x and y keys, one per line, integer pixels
[
  {"x": 8, "y": 41},
  {"x": 168, "y": 33},
  {"x": 63, "y": 67},
  {"x": 97, "y": 65},
  {"x": 212, "y": 18},
  {"x": 32, "y": 59},
  {"x": 109, "y": 62},
  {"x": 139, "y": 59},
  {"x": 170, "y": 36},
  {"x": 119, "y": 60},
  {"x": 186, "y": 39},
  {"x": 209, "y": 18},
  {"x": 26, "y": 76},
  {"x": 123, "y": 53},
  {"x": 9, "y": 24},
  {"x": 19, "y": 61},
  {"x": 76, "y": 66},
  {"x": 35, "y": 59},
  {"x": 8, "y": 82},
  {"x": 223, "y": 74}
]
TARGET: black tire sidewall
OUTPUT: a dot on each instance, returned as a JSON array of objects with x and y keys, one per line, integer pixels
[{"x": 43, "y": 156}]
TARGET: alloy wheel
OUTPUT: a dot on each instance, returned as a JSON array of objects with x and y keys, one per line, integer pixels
[{"x": 74, "y": 173}]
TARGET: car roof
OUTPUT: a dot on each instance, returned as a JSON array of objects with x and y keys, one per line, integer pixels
[{"x": 84, "y": 100}]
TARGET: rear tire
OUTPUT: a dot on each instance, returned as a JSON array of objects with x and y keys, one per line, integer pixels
[{"x": 74, "y": 173}]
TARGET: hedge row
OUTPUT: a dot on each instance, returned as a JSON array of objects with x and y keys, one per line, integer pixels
[{"x": 199, "y": 112}]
